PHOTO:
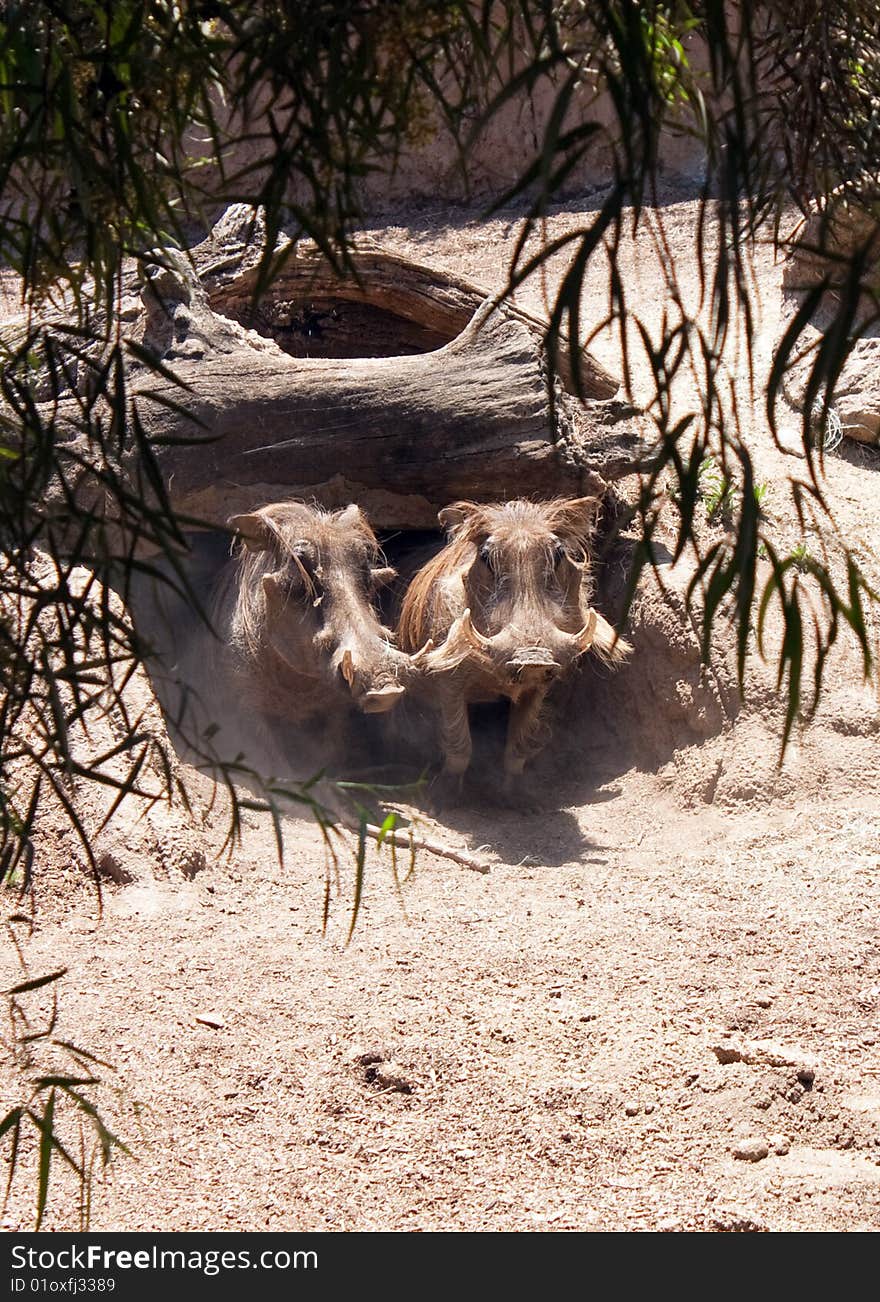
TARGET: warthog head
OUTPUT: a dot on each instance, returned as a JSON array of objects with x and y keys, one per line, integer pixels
[
  {"x": 306, "y": 586},
  {"x": 509, "y": 594}
]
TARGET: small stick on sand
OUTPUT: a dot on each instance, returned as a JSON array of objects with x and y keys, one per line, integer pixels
[
  {"x": 404, "y": 841},
  {"x": 409, "y": 841}
]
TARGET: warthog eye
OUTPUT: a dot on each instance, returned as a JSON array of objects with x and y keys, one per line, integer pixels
[
  {"x": 486, "y": 557},
  {"x": 304, "y": 573},
  {"x": 559, "y": 554}
]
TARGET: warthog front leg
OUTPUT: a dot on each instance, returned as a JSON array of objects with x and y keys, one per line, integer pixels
[
  {"x": 455, "y": 734},
  {"x": 455, "y": 742},
  {"x": 522, "y": 731}
]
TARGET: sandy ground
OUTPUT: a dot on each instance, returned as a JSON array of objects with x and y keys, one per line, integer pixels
[{"x": 658, "y": 1011}]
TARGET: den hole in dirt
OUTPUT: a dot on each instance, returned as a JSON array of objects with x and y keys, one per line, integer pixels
[
  {"x": 599, "y": 723},
  {"x": 860, "y": 455}
]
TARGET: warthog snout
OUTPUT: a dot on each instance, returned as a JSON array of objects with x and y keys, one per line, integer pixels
[
  {"x": 381, "y": 699},
  {"x": 532, "y": 666},
  {"x": 373, "y": 692}
]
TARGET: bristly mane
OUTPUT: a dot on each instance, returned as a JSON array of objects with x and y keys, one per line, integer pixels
[
  {"x": 416, "y": 614},
  {"x": 558, "y": 514}
]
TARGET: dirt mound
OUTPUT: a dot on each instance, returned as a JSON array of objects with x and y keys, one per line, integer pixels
[{"x": 121, "y": 807}]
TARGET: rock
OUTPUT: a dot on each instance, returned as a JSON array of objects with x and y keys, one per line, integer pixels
[
  {"x": 831, "y": 237},
  {"x": 388, "y": 1077},
  {"x": 737, "y": 1222},
  {"x": 843, "y": 228},
  {"x": 750, "y": 1150},
  {"x": 210, "y": 1019},
  {"x": 857, "y": 393},
  {"x": 240, "y": 224},
  {"x": 631, "y": 1109},
  {"x": 779, "y": 1144},
  {"x": 765, "y": 1053}
]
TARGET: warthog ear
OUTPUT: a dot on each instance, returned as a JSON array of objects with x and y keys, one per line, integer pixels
[
  {"x": 382, "y": 575},
  {"x": 455, "y": 516},
  {"x": 577, "y": 515},
  {"x": 254, "y": 531},
  {"x": 351, "y": 516}
]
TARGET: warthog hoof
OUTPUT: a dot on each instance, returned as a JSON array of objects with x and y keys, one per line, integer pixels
[
  {"x": 445, "y": 791},
  {"x": 517, "y": 794}
]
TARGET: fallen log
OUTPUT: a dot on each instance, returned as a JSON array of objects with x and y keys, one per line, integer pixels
[
  {"x": 237, "y": 419},
  {"x": 387, "y": 305}
]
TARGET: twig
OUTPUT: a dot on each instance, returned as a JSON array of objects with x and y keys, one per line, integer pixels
[
  {"x": 406, "y": 842},
  {"x": 401, "y": 840},
  {"x": 409, "y": 841}
]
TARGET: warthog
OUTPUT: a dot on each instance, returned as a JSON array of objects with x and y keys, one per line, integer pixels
[
  {"x": 296, "y": 611},
  {"x": 503, "y": 611}
]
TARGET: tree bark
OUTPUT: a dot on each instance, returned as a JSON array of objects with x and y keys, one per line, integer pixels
[
  {"x": 388, "y": 305},
  {"x": 403, "y": 434}
]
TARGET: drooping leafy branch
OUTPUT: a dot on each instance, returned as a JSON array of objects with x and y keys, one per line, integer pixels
[{"x": 785, "y": 103}]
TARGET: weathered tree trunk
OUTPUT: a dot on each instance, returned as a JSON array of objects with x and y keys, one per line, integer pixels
[
  {"x": 403, "y": 436},
  {"x": 457, "y": 404},
  {"x": 388, "y": 307}
]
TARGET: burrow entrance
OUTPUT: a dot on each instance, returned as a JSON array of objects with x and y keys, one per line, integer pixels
[{"x": 600, "y": 722}]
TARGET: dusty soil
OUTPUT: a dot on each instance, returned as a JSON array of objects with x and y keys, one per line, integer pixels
[{"x": 658, "y": 1011}]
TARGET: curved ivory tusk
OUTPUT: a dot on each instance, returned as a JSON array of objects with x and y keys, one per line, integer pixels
[
  {"x": 473, "y": 635},
  {"x": 347, "y": 667},
  {"x": 584, "y": 638},
  {"x": 423, "y": 652},
  {"x": 600, "y": 637},
  {"x": 459, "y": 645},
  {"x": 452, "y": 650}
]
